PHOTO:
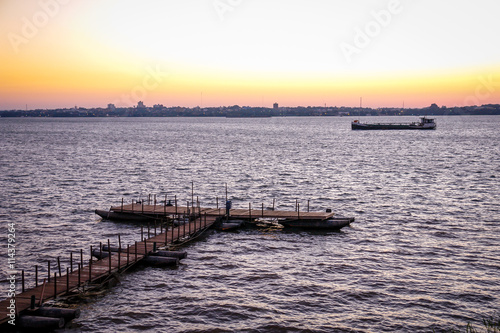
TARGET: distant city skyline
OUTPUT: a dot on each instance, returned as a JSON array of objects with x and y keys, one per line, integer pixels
[{"x": 212, "y": 53}]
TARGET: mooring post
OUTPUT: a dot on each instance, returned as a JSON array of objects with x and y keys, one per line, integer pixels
[
  {"x": 154, "y": 204},
  {"x": 59, "y": 265},
  {"x": 67, "y": 280},
  {"x": 135, "y": 250},
  {"x": 217, "y": 202},
  {"x": 119, "y": 243},
  {"x": 55, "y": 285},
  {"x": 36, "y": 275},
  {"x": 149, "y": 236},
  {"x": 79, "y": 274},
  {"x": 189, "y": 230},
  {"x": 22, "y": 280},
  {"x": 298, "y": 210},
  {"x": 175, "y": 199},
  {"x": 71, "y": 260},
  {"x": 142, "y": 233},
  {"x": 122, "y": 205},
  {"x": 296, "y": 203},
  {"x": 81, "y": 257},
  {"x": 109, "y": 255},
  {"x": 308, "y": 205},
  {"x": 226, "y": 191},
  {"x": 192, "y": 192},
  {"x": 48, "y": 271}
]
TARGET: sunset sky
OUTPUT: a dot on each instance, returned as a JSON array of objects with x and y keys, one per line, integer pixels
[{"x": 57, "y": 53}]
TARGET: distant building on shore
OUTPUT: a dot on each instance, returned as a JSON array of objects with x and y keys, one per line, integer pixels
[{"x": 275, "y": 106}]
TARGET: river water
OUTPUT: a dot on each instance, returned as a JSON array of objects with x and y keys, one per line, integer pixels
[{"x": 422, "y": 255}]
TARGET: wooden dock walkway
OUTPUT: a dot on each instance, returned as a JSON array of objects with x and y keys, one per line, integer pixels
[
  {"x": 96, "y": 271},
  {"x": 160, "y": 211}
]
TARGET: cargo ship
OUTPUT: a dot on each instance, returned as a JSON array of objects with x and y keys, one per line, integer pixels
[{"x": 424, "y": 124}]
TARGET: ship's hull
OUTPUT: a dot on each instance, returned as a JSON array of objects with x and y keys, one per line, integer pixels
[{"x": 390, "y": 127}]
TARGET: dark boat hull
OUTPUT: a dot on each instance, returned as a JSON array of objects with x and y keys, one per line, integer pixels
[
  {"x": 130, "y": 217},
  {"x": 330, "y": 224},
  {"x": 389, "y": 127}
]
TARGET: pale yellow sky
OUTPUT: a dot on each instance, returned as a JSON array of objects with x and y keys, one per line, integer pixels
[{"x": 59, "y": 53}]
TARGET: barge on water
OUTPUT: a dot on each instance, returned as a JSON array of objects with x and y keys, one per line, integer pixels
[{"x": 424, "y": 124}]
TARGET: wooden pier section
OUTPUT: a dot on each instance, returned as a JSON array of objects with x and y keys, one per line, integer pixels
[
  {"x": 96, "y": 271},
  {"x": 160, "y": 211}
]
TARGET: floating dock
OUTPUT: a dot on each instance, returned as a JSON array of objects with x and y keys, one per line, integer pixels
[
  {"x": 82, "y": 275},
  {"x": 96, "y": 272}
]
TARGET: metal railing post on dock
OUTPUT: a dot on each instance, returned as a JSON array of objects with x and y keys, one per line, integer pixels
[
  {"x": 55, "y": 284},
  {"x": 122, "y": 206},
  {"x": 48, "y": 271},
  {"x": 145, "y": 249},
  {"x": 155, "y": 227},
  {"x": 100, "y": 250},
  {"x": 36, "y": 275},
  {"x": 71, "y": 260},
  {"x": 79, "y": 274},
  {"x": 90, "y": 270},
  {"x": 154, "y": 206},
  {"x": 142, "y": 233},
  {"x": 109, "y": 256},
  {"x": 135, "y": 250},
  {"x": 149, "y": 235},
  {"x": 59, "y": 265},
  {"x": 67, "y": 280},
  {"x": 132, "y": 205},
  {"x": 217, "y": 202},
  {"x": 175, "y": 199},
  {"x": 273, "y": 203},
  {"x": 298, "y": 211},
  {"x": 128, "y": 255},
  {"x": 81, "y": 257},
  {"x": 172, "y": 232},
  {"x": 142, "y": 207},
  {"x": 262, "y": 210},
  {"x": 119, "y": 252},
  {"x": 308, "y": 206},
  {"x": 22, "y": 280},
  {"x": 250, "y": 210}
]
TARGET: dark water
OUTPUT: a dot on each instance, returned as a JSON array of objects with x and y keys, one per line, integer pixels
[{"x": 423, "y": 254}]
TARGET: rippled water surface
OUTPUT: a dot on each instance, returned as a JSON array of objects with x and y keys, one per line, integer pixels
[{"x": 422, "y": 255}]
